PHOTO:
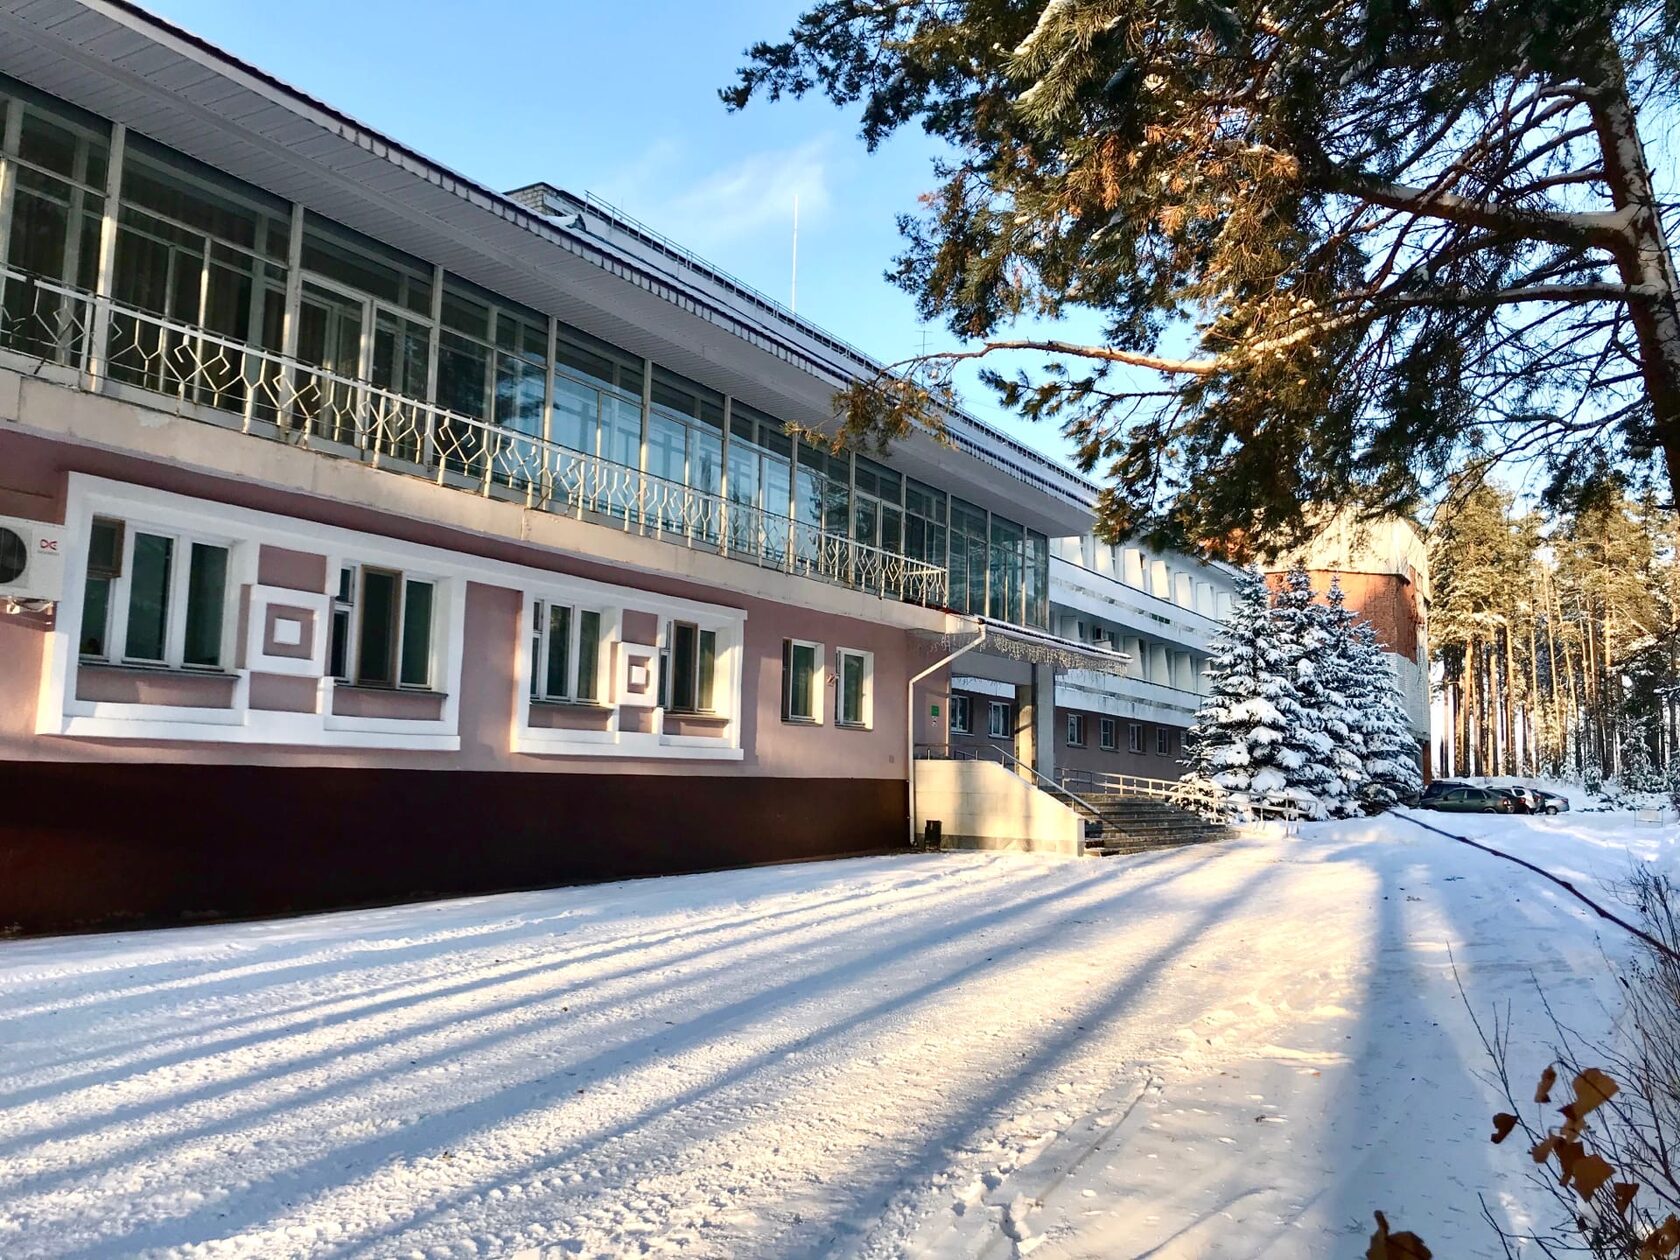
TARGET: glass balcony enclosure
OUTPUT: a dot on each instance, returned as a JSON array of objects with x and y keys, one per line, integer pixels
[{"x": 275, "y": 319}]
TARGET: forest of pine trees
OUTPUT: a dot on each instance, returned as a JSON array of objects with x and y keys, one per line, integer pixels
[{"x": 1556, "y": 641}]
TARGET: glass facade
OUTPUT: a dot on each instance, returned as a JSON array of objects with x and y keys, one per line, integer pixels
[{"x": 232, "y": 298}]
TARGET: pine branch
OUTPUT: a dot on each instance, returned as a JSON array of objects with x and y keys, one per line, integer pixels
[{"x": 1595, "y": 230}]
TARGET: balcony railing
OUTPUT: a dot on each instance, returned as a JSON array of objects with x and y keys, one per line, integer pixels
[{"x": 231, "y": 383}]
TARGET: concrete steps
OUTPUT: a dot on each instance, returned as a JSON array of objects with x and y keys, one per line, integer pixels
[{"x": 1136, "y": 824}]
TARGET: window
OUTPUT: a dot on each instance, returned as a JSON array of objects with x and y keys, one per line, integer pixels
[
  {"x": 1076, "y": 730},
  {"x": 565, "y": 653},
  {"x": 153, "y": 598},
  {"x": 58, "y": 167},
  {"x": 855, "y": 677},
  {"x": 1107, "y": 734},
  {"x": 1134, "y": 737},
  {"x": 997, "y": 719},
  {"x": 967, "y": 559},
  {"x": 1163, "y": 741},
  {"x": 962, "y": 715},
  {"x": 382, "y": 628},
  {"x": 801, "y": 664},
  {"x": 924, "y": 523},
  {"x": 1005, "y": 598},
  {"x": 693, "y": 660}
]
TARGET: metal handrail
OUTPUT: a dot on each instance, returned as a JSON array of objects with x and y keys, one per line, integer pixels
[
  {"x": 284, "y": 397},
  {"x": 1197, "y": 797},
  {"x": 1194, "y": 797}
]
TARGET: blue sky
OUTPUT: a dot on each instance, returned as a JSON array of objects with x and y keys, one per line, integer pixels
[{"x": 621, "y": 100}]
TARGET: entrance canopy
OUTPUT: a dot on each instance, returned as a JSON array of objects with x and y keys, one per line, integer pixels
[{"x": 1035, "y": 647}]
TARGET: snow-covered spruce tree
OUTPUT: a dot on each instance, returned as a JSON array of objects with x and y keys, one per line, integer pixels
[
  {"x": 1304, "y": 648},
  {"x": 1349, "y": 696},
  {"x": 1244, "y": 744},
  {"x": 1639, "y": 771},
  {"x": 1392, "y": 776},
  {"x": 1592, "y": 770}
]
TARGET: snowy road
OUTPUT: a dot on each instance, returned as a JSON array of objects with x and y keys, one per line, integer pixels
[{"x": 1231, "y": 1051}]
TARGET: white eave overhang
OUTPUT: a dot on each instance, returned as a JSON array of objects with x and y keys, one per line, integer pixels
[{"x": 118, "y": 61}]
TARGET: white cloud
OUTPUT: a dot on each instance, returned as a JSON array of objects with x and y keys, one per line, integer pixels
[{"x": 747, "y": 199}]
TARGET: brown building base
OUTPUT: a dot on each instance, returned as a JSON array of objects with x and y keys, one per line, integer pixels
[{"x": 89, "y": 845}]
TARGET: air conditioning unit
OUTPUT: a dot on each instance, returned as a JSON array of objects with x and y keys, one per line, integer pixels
[{"x": 31, "y": 562}]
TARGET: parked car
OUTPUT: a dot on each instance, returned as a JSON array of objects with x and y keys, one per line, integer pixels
[
  {"x": 1523, "y": 800},
  {"x": 1438, "y": 788},
  {"x": 1551, "y": 802},
  {"x": 1460, "y": 798}
]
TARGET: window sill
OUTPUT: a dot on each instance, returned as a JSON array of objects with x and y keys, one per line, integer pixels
[
  {"x": 854, "y": 726},
  {"x": 149, "y": 667},
  {"x": 800, "y": 721},
  {"x": 546, "y": 703},
  {"x": 380, "y": 689},
  {"x": 696, "y": 715}
]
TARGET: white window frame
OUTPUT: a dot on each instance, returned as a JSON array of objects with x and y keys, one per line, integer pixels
[
  {"x": 818, "y": 679},
  {"x": 967, "y": 710},
  {"x": 536, "y": 687},
  {"x": 181, "y": 543},
  {"x": 1108, "y": 734},
  {"x": 1163, "y": 741},
  {"x": 668, "y": 670},
  {"x": 1076, "y": 730},
  {"x": 998, "y": 727},
  {"x": 866, "y": 720},
  {"x": 352, "y": 676},
  {"x": 629, "y": 717},
  {"x": 1134, "y": 737}
]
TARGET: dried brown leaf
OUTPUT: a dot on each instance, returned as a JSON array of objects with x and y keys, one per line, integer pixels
[
  {"x": 1591, "y": 1172},
  {"x": 1664, "y": 1241},
  {"x": 1503, "y": 1123},
  {"x": 1543, "y": 1091},
  {"x": 1593, "y": 1088},
  {"x": 1568, "y": 1153},
  {"x": 1387, "y": 1246},
  {"x": 1625, "y": 1190}
]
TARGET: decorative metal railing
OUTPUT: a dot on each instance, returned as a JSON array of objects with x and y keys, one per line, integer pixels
[
  {"x": 1198, "y": 798},
  {"x": 231, "y": 383},
  {"x": 1077, "y": 786}
]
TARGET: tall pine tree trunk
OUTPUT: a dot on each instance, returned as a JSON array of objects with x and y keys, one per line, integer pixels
[
  {"x": 1560, "y": 708},
  {"x": 1472, "y": 741},
  {"x": 1644, "y": 261},
  {"x": 1536, "y": 719},
  {"x": 1511, "y": 706}
]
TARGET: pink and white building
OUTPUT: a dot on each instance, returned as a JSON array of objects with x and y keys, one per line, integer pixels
[{"x": 366, "y": 533}]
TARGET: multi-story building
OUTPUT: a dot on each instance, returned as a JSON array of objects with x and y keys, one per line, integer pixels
[
  {"x": 1158, "y": 612},
  {"x": 370, "y": 533},
  {"x": 1383, "y": 570}
]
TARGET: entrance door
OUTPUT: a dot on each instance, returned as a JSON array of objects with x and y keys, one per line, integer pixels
[
  {"x": 332, "y": 332},
  {"x": 401, "y": 353}
]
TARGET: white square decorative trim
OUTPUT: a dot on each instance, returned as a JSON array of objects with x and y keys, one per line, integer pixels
[{"x": 260, "y": 660}]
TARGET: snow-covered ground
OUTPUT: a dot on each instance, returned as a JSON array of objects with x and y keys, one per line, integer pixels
[{"x": 1236, "y": 1050}]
